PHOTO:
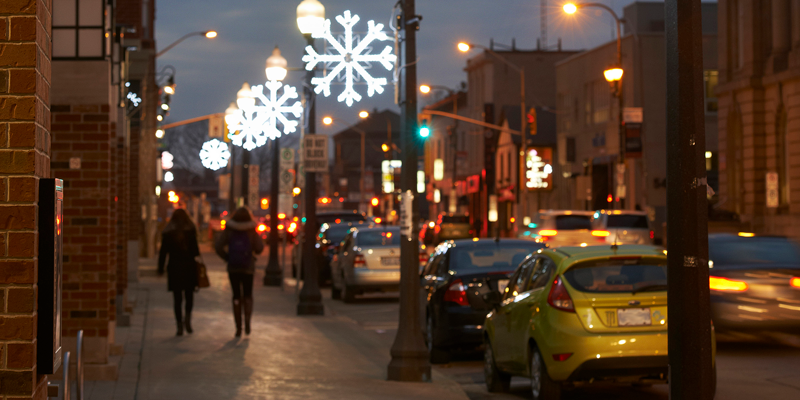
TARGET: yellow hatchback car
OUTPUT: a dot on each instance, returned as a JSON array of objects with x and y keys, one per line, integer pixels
[{"x": 575, "y": 315}]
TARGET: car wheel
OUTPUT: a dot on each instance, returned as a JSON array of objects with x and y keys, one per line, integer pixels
[
  {"x": 437, "y": 354},
  {"x": 542, "y": 387},
  {"x": 347, "y": 293},
  {"x": 496, "y": 380}
]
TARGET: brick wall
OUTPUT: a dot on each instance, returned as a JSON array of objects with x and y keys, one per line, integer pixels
[
  {"x": 25, "y": 45},
  {"x": 90, "y": 267}
]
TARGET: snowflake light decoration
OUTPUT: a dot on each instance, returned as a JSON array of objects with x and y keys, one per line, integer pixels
[
  {"x": 350, "y": 61},
  {"x": 214, "y": 154},
  {"x": 254, "y": 125}
]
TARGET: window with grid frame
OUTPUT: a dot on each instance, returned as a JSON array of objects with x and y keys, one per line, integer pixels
[{"x": 80, "y": 29}]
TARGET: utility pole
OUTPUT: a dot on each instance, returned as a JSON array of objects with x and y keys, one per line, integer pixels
[
  {"x": 690, "y": 360},
  {"x": 409, "y": 354},
  {"x": 310, "y": 296},
  {"x": 273, "y": 276}
]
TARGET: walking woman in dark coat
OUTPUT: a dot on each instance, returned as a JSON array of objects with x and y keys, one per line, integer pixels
[
  {"x": 179, "y": 242},
  {"x": 237, "y": 245}
]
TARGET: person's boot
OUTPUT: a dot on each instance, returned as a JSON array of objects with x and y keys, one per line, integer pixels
[
  {"x": 248, "y": 312},
  {"x": 237, "y": 316},
  {"x": 179, "y": 321},
  {"x": 188, "y": 323}
]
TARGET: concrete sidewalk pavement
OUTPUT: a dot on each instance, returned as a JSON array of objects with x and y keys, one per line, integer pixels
[{"x": 285, "y": 357}]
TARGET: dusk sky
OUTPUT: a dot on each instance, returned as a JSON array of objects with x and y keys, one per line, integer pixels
[{"x": 210, "y": 72}]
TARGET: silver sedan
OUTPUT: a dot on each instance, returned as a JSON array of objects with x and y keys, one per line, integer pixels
[{"x": 368, "y": 260}]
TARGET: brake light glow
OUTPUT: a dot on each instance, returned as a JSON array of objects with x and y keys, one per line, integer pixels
[
  {"x": 562, "y": 356},
  {"x": 359, "y": 261},
  {"x": 280, "y": 227},
  {"x": 726, "y": 285},
  {"x": 423, "y": 258},
  {"x": 457, "y": 293},
  {"x": 652, "y": 235},
  {"x": 601, "y": 233},
  {"x": 559, "y": 298},
  {"x": 262, "y": 227},
  {"x": 795, "y": 283},
  {"x": 548, "y": 232}
]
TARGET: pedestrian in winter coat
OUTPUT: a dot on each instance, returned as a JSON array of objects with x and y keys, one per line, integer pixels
[
  {"x": 237, "y": 245},
  {"x": 179, "y": 244}
]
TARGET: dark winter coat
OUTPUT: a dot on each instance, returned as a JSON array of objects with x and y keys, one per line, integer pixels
[
  {"x": 221, "y": 245},
  {"x": 180, "y": 244}
]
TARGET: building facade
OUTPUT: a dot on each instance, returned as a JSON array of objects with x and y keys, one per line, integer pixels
[
  {"x": 759, "y": 115},
  {"x": 588, "y": 120}
]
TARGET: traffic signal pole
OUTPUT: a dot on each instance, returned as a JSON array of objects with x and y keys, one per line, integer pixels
[
  {"x": 409, "y": 354},
  {"x": 690, "y": 360}
]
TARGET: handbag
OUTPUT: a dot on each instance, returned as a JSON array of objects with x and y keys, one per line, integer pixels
[{"x": 202, "y": 274}]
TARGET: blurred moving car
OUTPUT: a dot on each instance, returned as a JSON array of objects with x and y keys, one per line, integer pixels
[
  {"x": 452, "y": 227},
  {"x": 568, "y": 228},
  {"x": 576, "y": 315},
  {"x": 458, "y": 275},
  {"x": 368, "y": 260},
  {"x": 754, "y": 282},
  {"x": 624, "y": 226}
]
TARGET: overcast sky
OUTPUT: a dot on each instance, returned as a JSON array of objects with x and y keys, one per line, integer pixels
[{"x": 210, "y": 72}]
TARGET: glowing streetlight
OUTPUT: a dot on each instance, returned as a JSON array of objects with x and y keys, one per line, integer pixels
[
  {"x": 425, "y": 89},
  {"x": 230, "y": 114},
  {"x": 159, "y": 133},
  {"x": 165, "y": 106},
  {"x": 310, "y": 16},
  {"x": 464, "y": 47},
  {"x": 277, "y": 66},
  {"x": 244, "y": 97},
  {"x": 207, "y": 34},
  {"x": 385, "y": 148},
  {"x": 613, "y": 74},
  {"x": 363, "y": 114},
  {"x": 327, "y": 120},
  {"x": 159, "y": 117},
  {"x": 169, "y": 89},
  {"x": 570, "y": 8},
  {"x": 211, "y": 34}
]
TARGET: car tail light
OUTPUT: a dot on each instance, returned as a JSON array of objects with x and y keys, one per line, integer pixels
[
  {"x": 795, "y": 283},
  {"x": 558, "y": 297},
  {"x": 423, "y": 258},
  {"x": 562, "y": 356},
  {"x": 601, "y": 233},
  {"x": 726, "y": 285},
  {"x": 359, "y": 261},
  {"x": 652, "y": 235},
  {"x": 457, "y": 293},
  {"x": 548, "y": 232}
]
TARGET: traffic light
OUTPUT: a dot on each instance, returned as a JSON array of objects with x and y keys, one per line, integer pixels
[
  {"x": 374, "y": 202},
  {"x": 424, "y": 129},
  {"x": 264, "y": 204}
]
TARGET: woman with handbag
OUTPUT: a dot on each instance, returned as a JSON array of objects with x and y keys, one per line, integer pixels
[
  {"x": 237, "y": 245},
  {"x": 179, "y": 244}
]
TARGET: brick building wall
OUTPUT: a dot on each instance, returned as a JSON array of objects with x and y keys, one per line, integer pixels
[{"x": 24, "y": 146}]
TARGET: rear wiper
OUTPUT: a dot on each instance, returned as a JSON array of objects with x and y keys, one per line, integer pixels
[{"x": 650, "y": 288}]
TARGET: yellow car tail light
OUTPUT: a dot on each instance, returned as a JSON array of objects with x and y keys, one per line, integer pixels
[{"x": 726, "y": 285}]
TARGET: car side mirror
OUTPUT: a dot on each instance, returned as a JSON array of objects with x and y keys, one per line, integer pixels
[{"x": 493, "y": 299}]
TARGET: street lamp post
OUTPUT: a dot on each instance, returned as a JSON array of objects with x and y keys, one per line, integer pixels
[
  {"x": 310, "y": 19},
  {"x": 207, "y": 34},
  {"x": 612, "y": 75},
  {"x": 245, "y": 100},
  {"x": 276, "y": 70},
  {"x": 522, "y": 210},
  {"x": 230, "y": 118}
]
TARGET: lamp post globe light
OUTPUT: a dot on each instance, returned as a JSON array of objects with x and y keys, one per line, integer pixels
[
  {"x": 276, "y": 70},
  {"x": 310, "y": 20},
  {"x": 207, "y": 34}
]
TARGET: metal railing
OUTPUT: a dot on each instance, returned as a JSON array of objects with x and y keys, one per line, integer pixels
[{"x": 65, "y": 391}]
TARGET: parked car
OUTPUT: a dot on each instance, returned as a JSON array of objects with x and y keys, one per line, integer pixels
[
  {"x": 457, "y": 276},
  {"x": 368, "y": 260},
  {"x": 624, "y": 226},
  {"x": 580, "y": 315},
  {"x": 754, "y": 282},
  {"x": 567, "y": 228},
  {"x": 452, "y": 227},
  {"x": 329, "y": 218}
]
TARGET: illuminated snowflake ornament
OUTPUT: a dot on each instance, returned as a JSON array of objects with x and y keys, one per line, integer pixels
[
  {"x": 255, "y": 124},
  {"x": 351, "y": 63},
  {"x": 214, "y": 154}
]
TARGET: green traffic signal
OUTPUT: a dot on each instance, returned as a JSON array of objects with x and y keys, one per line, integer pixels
[{"x": 424, "y": 131}]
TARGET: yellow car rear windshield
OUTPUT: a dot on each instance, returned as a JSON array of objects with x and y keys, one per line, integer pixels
[{"x": 633, "y": 275}]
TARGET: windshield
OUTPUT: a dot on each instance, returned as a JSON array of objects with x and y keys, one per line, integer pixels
[
  {"x": 627, "y": 221},
  {"x": 339, "y": 218},
  {"x": 616, "y": 277},
  {"x": 758, "y": 252},
  {"x": 455, "y": 219},
  {"x": 336, "y": 233},
  {"x": 567, "y": 222},
  {"x": 489, "y": 257},
  {"x": 378, "y": 238}
]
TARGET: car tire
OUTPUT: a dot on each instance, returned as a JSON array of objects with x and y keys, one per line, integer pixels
[
  {"x": 437, "y": 354},
  {"x": 347, "y": 294},
  {"x": 542, "y": 387},
  {"x": 496, "y": 380},
  {"x": 336, "y": 293}
]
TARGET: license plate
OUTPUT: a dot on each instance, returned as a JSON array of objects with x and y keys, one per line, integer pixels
[
  {"x": 502, "y": 284},
  {"x": 390, "y": 261},
  {"x": 633, "y": 316}
]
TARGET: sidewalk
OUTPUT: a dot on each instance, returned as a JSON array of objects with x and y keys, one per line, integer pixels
[{"x": 286, "y": 356}]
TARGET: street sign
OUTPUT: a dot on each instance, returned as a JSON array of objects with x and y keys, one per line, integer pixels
[
  {"x": 216, "y": 126},
  {"x": 632, "y": 115},
  {"x": 252, "y": 186},
  {"x": 300, "y": 179},
  {"x": 406, "y": 207},
  {"x": 772, "y": 190},
  {"x": 315, "y": 153},
  {"x": 285, "y": 203}
]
